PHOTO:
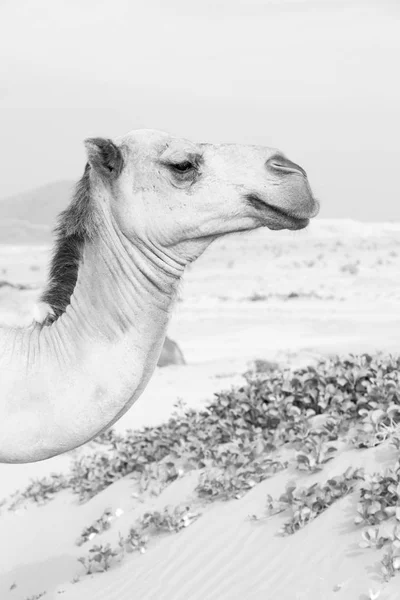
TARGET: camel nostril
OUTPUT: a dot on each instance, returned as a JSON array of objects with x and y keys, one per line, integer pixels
[{"x": 281, "y": 164}]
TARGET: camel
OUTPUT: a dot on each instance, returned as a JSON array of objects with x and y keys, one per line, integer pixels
[{"x": 147, "y": 206}]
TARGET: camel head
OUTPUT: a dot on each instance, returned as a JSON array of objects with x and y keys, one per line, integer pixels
[{"x": 178, "y": 196}]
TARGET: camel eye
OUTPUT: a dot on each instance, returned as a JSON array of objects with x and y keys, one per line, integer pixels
[{"x": 183, "y": 167}]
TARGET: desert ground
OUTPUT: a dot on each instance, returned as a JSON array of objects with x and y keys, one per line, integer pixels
[{"x": 285, "y": 297}]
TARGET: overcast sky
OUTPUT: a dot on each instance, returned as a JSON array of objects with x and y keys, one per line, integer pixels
[{"x": 317, "y": 79}]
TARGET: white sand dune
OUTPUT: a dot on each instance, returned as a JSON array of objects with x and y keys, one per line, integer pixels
[{"x": 222, "y": 555}]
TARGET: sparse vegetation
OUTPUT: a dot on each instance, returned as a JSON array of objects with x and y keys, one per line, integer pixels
[
  {"x": 39, "y": 491},
  {"x": 351, "y": 268},
  {"x": 315, "y": 452},
  {"x": 170, "y": 520},
  {"x": 379, "y": 498},
  {"x": 306, "y": 504},
  {"x": 98, "y": 526},
  {"x": 16, "y": 286},
  {"x": 379, "y": 508},
  {"x": 300, "y": 295},
  {"x": 135, "y": 541},
  {"x": 237, "y": 478},
  {"x": 257, "y": 297},
  {"x": 391, "y": 559},
  {"x": 101, "y": 557}
]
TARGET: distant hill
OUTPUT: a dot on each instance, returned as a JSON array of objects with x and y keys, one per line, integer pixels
[{"x": 29, "y": 218}]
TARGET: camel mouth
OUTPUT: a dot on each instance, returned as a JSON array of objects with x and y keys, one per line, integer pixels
[{"x": 281, "y": 218}]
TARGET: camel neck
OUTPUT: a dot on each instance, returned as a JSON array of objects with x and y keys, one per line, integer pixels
[
  {"x": 65, "y": 383},
  {"x": 119, "y": 286},
  {"x": 83, "y": 372}
]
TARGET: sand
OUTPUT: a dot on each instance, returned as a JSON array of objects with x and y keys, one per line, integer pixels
[{"x": 287, "y": 297}]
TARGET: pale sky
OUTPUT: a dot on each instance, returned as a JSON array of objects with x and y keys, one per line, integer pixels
[{"x": 319, "y": 79}]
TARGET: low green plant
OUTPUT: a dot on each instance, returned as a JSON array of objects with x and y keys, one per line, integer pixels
[
  {"x": 379, "y": 507},
  {"x": 376, "y": 426},
  {"x": 100, "y": 558},
  {"x": 390, "y": 563},
  {"x": 134, "y": 541},
  {"x": 236, "y": 480},
  {"x": 103, "y": 523},
  {"x": 375, "y": 537},
  {"x": 316, "y": 452},
  {"x": 379, "y": 497},
  {"x": 39, "y": 491},
  {"x": 306, "y": 504},
  {"x": 371, "y": 538},
  {"x": 351, "y": 268},
  {"x": 169, "y": 520},
  {"x": 257, "y": 297}
]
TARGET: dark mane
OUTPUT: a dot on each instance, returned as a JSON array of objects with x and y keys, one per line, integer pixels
[{"x": 76, "y": 225}]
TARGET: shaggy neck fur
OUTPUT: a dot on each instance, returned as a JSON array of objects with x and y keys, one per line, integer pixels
[{"x": 77, "y": 225}]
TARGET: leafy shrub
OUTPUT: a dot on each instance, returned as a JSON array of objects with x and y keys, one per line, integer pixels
[
  {"x": 391, "y": 560},
  {"x": 135, "y": 541},
  {"x": 379, "y": 507},
  {"x": 236, "y": 479},
  {"x": 39, "y": 491},
  {"x": 374, "y": 537},
  {"x": 379, "y": 497},
  {"x": 98, "y": 526},
  {"x": 101, "y": 557},
  {"x": 315, "y": 452},
  {"x": 168, "y": 520},
  {"x": 351, "y": 268},
  {"x": 306, "y": 504}
]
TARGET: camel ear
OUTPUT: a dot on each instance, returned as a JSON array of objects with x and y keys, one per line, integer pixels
[{"x": 105, "y": 157}]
